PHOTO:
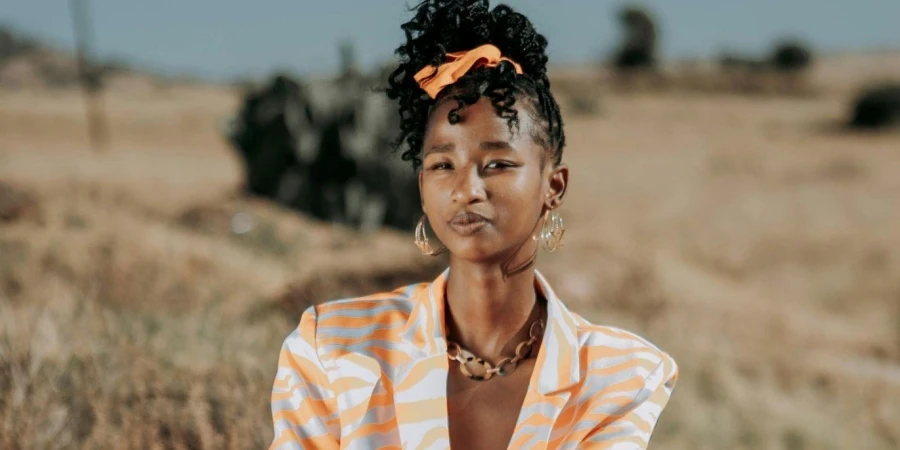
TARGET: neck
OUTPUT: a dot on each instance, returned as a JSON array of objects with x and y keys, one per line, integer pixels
[{"x": 488, "y": 313}]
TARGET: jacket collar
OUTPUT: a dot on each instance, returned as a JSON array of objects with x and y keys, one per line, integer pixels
[{"x": 557, "y": 365}]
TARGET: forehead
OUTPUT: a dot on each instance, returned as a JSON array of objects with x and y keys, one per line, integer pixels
[{"x": 480, "y": 122}]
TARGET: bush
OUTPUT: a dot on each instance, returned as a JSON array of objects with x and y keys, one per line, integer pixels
[{"x": 877, "y": 107}]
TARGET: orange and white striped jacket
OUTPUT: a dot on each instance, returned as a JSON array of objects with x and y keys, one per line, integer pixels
[{"x": 371, "y": 372}]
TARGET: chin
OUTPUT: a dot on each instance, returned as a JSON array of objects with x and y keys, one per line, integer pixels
[{"x": 479, "y": 251}]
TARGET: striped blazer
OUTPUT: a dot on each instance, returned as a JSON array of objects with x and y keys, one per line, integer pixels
[{"x": 371, "y": 372}]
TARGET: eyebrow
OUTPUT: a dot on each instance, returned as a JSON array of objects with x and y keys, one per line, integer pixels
[
  {"x": 495, "y": 145},
  {"x": 443, "y": 148},
  {"x": 486, "y": 145}
]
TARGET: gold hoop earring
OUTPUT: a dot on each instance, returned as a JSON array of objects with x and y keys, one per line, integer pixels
[
  {"x": 552, "y": 231},
  {"x": 422, "y": 240}
]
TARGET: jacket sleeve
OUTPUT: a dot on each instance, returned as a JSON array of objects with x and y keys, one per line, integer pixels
[
  {"x": 304, "y": 410},
  {"x": 631, "y": 426}
]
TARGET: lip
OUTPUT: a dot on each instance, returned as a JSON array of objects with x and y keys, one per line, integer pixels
[{"x": 467, "y": 223}]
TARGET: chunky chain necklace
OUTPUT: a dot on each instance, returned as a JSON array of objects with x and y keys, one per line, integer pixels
[{"x": 479, "y": 369}]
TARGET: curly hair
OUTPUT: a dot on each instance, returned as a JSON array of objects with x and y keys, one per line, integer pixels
[{"x": 444, "y": 26}]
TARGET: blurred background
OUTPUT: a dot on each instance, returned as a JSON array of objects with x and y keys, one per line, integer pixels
[{"x": 179, "y": 180}]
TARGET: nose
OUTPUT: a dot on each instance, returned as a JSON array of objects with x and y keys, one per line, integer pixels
[{"x": 469, "y": 187}]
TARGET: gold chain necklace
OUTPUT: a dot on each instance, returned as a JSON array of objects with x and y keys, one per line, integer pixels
[{"x": 484, "y": 370}]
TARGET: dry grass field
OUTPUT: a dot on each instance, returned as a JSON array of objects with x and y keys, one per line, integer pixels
[{"x": 747, "y": 234}]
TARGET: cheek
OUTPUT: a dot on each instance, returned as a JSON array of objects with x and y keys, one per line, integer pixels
[
  {"x": 518, "y": 193},
  {"x": 433, "y": 192}
]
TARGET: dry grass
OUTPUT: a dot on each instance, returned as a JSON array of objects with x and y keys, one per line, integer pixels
[
  {"x": 119, "y": 319},
  {"x": 739, "y": 233}
]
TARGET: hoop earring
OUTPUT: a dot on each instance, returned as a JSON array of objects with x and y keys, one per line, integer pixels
[
  {"x": 422, "y": 239},
  {"x": 552, "y": 231}
]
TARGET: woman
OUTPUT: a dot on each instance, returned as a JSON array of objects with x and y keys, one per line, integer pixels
[{"x": 485, "y": 356}]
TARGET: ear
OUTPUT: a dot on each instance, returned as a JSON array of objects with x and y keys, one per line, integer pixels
[{"x": 558, "y": 182}]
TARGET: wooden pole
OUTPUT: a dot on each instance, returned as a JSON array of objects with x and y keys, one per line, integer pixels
[{"x": 90, "y": 78}]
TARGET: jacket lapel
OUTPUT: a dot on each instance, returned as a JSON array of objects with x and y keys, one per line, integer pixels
[
  {"x": 420, "y": 387},
  {"x": 556, "y": 369}
]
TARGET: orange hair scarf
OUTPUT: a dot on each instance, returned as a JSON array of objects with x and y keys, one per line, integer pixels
[{"x": 434, "y": 79}]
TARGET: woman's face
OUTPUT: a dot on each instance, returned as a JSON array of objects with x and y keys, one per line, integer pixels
[{"x": 482, "y": 186}]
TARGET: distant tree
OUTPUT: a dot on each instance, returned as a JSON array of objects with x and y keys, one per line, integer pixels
[
  {"x": 739, "y": 62},
  {"x": 638, "y": 48},
  {"x": 791, "y": 56},
  {"x": 13, "y": 44},
  {"x": 349, "y": 61}
]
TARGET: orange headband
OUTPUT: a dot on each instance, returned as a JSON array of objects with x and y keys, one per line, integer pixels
[{"x": 433, "y": 79}]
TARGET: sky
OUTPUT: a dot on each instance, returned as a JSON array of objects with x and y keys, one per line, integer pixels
[{"x": 224, "y": 39}]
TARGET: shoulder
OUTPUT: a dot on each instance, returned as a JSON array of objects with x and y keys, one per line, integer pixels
[
  {"x": 368, "y": 310},
  {"x": 626, "y": 382},
  {"x": 354, "y": 321},
  {"x": 612, "y": 356}
]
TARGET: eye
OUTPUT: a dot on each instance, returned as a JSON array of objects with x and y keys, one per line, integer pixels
[
  {"x": 440, "y": 166},
  {"x": 499, "y": 165}
]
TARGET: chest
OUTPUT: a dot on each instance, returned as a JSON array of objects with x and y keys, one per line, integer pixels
[
  {"x": 431, "y": 405},
  {"x": 484, "y": 414}
]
